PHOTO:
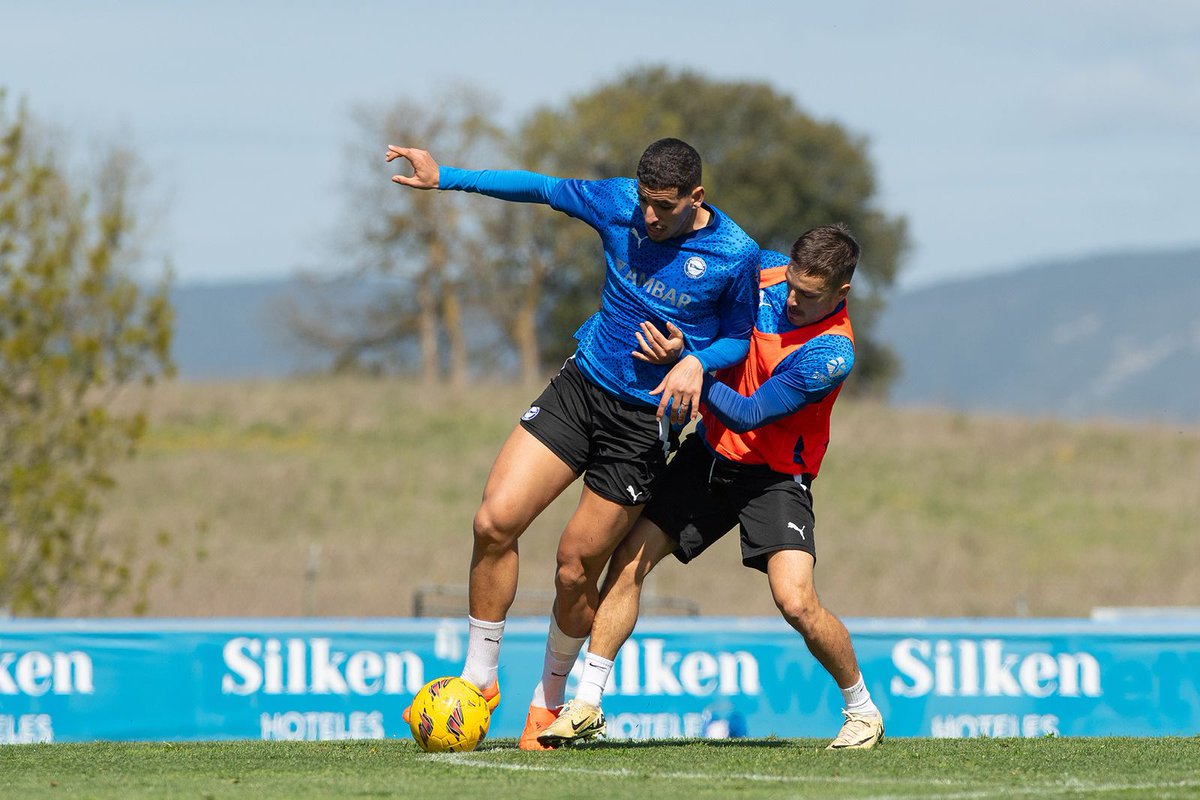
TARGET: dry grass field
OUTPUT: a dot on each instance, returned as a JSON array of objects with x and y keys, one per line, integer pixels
[{"x": 340, "y": 497}]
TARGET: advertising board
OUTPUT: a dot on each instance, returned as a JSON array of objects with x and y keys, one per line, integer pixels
[{"x": 321, "y": 679}]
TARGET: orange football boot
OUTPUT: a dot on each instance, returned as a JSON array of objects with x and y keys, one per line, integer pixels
[{"x": 535, "y": 723}]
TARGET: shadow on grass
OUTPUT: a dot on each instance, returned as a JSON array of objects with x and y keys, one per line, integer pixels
[
  {"x": 636, "y": 744},
  {"x": 631, "y": 744}
]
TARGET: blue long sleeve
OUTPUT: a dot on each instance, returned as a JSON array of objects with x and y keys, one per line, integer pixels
[
  {"x": 723, "y": 353},
  {"x": 704, "y": 283},
  {"x": 516, "y": 185},
  {"x": 804, "y": 377}
]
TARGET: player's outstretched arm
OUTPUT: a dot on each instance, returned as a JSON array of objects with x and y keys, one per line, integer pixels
[
  {"x": 426, "y": 172},
  {"x": 775, "y": 399},
  {"x": 806, "y": 376}
]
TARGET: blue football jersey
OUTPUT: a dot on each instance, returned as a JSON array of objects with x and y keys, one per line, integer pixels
[
  {"x": 704, "y": 282},
  {"x": 771, "y": 316}
]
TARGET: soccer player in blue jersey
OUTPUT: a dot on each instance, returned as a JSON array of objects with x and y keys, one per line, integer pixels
[
  {"x": 762, "y": 436},
  {"x": 672, "y": 262}
]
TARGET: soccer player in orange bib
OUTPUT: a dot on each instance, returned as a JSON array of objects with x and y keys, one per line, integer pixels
[{"x": 764, "y": 430}]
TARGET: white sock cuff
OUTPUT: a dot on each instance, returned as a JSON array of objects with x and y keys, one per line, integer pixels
[
  {"x": 484, "y": 624},
  {"x": 857, "y": 694},
  {"x": 596, "y": 671},
  {"x": 560, "y": 644},
  {"x": 595, "y": 661}
]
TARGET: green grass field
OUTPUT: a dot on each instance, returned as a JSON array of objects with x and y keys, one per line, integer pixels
[{"x": 764, "y": 768}]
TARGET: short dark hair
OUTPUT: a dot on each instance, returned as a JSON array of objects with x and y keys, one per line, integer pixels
[
  {"x": 828, "y": 251},
  {"x": 669, "y": 164}
]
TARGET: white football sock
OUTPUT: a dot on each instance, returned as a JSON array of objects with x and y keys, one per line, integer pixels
[
  {"x": 858, "y": 699},
  {"x": 561, "y": 652},
  {"x": 595, "y": 677},
  {"x": 483, "y": 651}
]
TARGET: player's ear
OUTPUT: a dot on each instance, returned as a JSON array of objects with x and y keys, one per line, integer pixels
[
  {"x": 842, "y": 292},
  {"x": 697, "y": 196}
]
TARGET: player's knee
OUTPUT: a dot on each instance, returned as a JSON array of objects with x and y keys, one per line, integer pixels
[
  {"x": 570, "y": 578},
  {"x": 802, "y": 610},
  {"x": 492, "y": 530}
]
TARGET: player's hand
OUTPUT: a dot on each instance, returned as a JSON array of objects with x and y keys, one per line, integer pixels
[
  {"x": 425, "y": 170},
  {"x": 654, "y": 348},
  {"x": 681, "y": 390}
]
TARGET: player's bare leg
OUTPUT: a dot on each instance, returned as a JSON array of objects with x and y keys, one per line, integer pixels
[
  {"x": 525, "y": 478},
  {"x": 586, "y": 543},
  {"x": 590, "y": 537},
  {"x": 581, "y": 718},
  {"x": 620, "y": 599},
  {"x": 790, "y": 574}
]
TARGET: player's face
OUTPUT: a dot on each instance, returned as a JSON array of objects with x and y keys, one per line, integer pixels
[
  {"x": 810, "y": 298},
  {"x": 668, "y": 213}
]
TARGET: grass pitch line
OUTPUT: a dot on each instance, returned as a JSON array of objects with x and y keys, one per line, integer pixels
[
  {"x": 1067, "y": 787},
  {"x": 472, "y": 760}
]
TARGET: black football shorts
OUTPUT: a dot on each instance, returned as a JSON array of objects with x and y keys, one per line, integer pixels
[
  {"x": 619, "y": 447},
  {"x": 701, "y": 497}
]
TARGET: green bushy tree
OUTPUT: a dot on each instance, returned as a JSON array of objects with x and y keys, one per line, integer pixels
[
  {"x": 771, "y": 166},
  {"x": 537, "y": 274},
  {"x": 74, "y": 328}
]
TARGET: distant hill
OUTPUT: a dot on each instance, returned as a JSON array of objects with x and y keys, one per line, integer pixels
[
  {"x": 232, "y": 330},
  {"x": 237, "y": 330},
  {"x": 1107, "y": 336}
]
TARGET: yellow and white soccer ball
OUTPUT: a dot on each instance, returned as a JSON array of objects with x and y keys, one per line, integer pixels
[{"x": 449, "y": 714}]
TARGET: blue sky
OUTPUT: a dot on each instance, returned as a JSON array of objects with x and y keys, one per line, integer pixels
[{"x": 1006, "y": 132}]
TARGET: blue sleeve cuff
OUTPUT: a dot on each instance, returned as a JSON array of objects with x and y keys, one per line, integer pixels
[{"x": 721, "y": 353}]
